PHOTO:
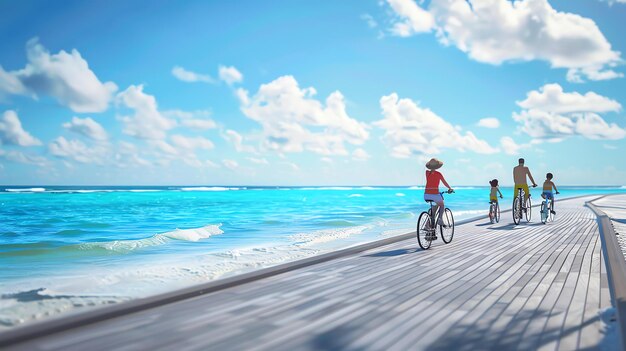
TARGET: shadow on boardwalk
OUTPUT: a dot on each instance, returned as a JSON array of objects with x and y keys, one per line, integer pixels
[{"x": 515, "y": 336}]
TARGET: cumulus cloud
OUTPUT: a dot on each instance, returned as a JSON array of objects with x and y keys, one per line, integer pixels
[
  {"x": 147, "y": 122},
  {"x": 64, "y": 76},
  {"x": 497, "y": 31},
  {"x": 551, "y": 98},
  {"x": 188, "y": 76},
  {"x": 360, "y": 155},
  {"x": 410, "y": 18},
  {"x": 288, "y": 113},
  {"x": 258, "y": 161},
  {"x": 413, "y": 130},
  {"x": 230, "y": 75},
  {"x": 20, "y": 157},
  {"x": 237, "y": 140},
  {"x": 87, "y": 127},
  {"x": 489, "y": 122},
  {"x": 198, "y": 120},
  {"x": 510, "y": 147},
  {"x": 11, "y": 131},
  {"x": 230, "y": 164},
  {"x": 77, "y": 150},
  {"x": 191, "y": 143},
  {"x": 551, "y": 113}
]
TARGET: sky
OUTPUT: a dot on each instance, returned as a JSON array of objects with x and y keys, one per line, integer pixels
[{"x": 311, "y": 92}]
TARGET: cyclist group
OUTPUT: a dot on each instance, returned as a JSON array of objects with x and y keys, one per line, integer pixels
[{"x": 439, "y": 216}]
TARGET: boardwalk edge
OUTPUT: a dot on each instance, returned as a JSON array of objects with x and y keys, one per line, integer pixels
[{"x": 616, "y": 267}]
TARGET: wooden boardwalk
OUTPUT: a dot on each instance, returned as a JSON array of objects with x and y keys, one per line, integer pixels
[{"x": 499, "y": 287}]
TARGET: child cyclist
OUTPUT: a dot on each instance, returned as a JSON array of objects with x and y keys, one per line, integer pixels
[
  {"x": 431, "y": 191},
  {"x": 493, "y": 196},
  {"x": 547, "y": 190}
]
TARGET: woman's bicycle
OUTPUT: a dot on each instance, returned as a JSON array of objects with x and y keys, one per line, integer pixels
[
  {"x": 520, "y": 209},
  {"x": 547, "y": 210},
  {"x": 427, "y": 226},
  {"x": 494, "y": 211}
]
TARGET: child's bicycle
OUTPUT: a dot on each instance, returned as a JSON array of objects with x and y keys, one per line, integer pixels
[
  {"x": 427, "y": 228},
  {"x": 519, "y": 208},
  {"x": 494, "y": 212},
  {"x": 547, "y": 209}
]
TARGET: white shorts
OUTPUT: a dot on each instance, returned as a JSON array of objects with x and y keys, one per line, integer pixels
[{"x": 437, "y": 198}]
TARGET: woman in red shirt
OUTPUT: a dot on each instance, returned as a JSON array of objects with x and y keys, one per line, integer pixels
[{"x": 431, "y": 191}]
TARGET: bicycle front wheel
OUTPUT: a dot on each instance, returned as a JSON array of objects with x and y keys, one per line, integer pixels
[
  {"x": 529, "y": 210},
  {"x": 447, "y": 230},
  {"x": 424, "y": 231},
  {"x": 517, "y": 210}
]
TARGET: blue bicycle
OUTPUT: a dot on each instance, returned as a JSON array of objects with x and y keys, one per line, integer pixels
[{"x": 547, "y": 209}]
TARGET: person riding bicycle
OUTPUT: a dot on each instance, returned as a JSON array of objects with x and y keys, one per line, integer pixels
[
  {"x": 493, "y": 196},
  {"x": 519, "y": 177},
  {"x": 431, "y": 191},
  {"x": 547, "y": 190}
]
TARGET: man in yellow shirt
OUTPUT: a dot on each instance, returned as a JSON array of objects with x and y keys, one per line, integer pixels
[{"x": 519, "y": 177}]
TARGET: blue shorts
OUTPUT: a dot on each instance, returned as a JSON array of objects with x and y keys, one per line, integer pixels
[
  {"x": 437, "y": 198},
  {"x": 548, "y": 195}
]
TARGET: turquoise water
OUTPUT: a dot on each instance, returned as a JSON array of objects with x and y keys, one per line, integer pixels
[{"x": 68, "y": 247}]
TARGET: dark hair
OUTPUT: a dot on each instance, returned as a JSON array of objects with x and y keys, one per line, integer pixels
[
  {"x": 521, "y": 160},
  {"x": 493, "y": 182},
  {"x": 549, "y": 176}
]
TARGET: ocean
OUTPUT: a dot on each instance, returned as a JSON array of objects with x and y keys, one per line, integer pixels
[{"x": 64, "y": 248}]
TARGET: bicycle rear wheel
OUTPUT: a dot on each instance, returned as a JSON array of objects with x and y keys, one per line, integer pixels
[
  {"x": 529, "y": 210},
  {"x": 492, "y": 213},
  {"x": 497, "y": 212},
  {"x": 550, "y": 209},
  {"x": 544, "y": 213},
  {"x": 424, "y": 232},
  {"x": 517, "y": 210},
  {"x": 448, "y": 232}
]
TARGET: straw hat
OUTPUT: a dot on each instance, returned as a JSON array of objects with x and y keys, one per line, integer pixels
[{"x": 434, "y": 164}]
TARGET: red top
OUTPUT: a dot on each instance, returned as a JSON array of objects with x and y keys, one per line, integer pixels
[{"x": 432, "y": 182}]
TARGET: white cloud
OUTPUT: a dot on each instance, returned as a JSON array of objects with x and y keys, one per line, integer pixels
[
  {"x": 411, "y": 18},
  {"x": 230, "y": 164},
  {"x": 87, "y": 127},
  {"x": 191, "y": 143},
  {"x": 551, "y": 114},
  {"x": 360, "y": 155},
  {"x": 64, "y": 76},
  {"x": 327, "y": 159},
  {"x": 76, "y": 150},
  {"x": 551, "y": 98},
  {"x": 371, "y": 22},
  {"x": 197, "y": 120},
  {"x": 199, "y": 124},
  {"x": 286, "y": 112},
  {"x": 127, "y": 155},
  {"x": 147, "y": 122},
  {"x": 412, "y": 130},
  {"x": 237, "y": 140},
  {"x": 259, "y": 161},
  {"x": 11, "y": 131},
  {"x": 510, "y": 147},
  {"x": 230, "y": 75},
  {"x": 190, "y": 77},
  {"x": 497, "y": 31},
  {"x": 20, "y": 157},
  {"x": 489, "y": 122}
]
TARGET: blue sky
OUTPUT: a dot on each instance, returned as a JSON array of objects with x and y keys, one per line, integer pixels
[{"x": 306, "y": 93}]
